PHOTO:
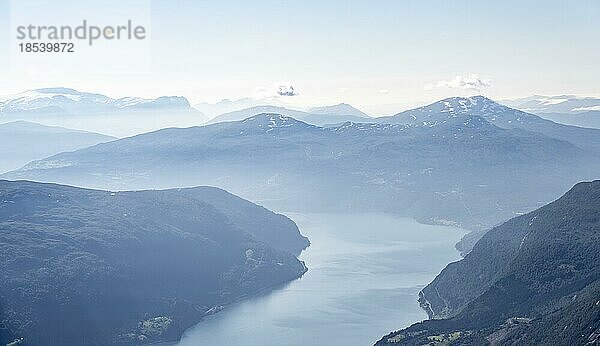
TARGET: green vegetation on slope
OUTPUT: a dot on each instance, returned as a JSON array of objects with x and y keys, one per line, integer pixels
[
  {"x": 84, "y": 266},
  {"x": 533, "y": 280}
]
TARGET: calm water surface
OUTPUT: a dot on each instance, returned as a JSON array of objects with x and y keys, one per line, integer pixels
[{"x": 365, "y": 272}]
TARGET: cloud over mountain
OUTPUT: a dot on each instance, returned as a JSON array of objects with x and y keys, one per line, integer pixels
[
  {"x": 286, "y": 90},
  {"x": 470, "y": 82}
]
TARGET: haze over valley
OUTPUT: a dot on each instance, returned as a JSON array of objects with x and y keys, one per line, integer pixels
[
  {"x": 462, "y": 162},
  {"x": 299, "y": 173}
]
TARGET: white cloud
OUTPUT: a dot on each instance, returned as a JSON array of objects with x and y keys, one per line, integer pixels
[
  {"x": 470, "y": 82},
  {"x": 286, "y": 90},
  {"x": 279, "y": 89}
]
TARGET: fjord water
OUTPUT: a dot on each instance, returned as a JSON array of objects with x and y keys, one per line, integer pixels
[{"x": 365, "y": 272}]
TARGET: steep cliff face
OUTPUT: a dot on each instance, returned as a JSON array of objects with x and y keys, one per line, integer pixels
[
  {"x": 534, "y": 279},
  {"x": 82, "y": 266},
  {"x": 277, "y": 230}
]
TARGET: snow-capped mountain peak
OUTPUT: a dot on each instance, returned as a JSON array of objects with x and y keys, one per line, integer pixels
[
  {"x": 467, "y": 105},
  {"x": 265, "y": 123},
  {"x": 70, "y": 101},
  {"x": 271, "y": 121},
  {"x": 567, "y": 104},
  {"x": 462, "y": 108}
]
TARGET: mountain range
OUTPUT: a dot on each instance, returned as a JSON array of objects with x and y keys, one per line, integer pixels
[
  {"x": 320, "y": 116},
  {"x": 70, "y": 101},
  {"x": 589, "y": 119},
  {"x": 339, "y": 109},
  {"x": 129, "y": 116},
  {"x": 24, "y": 141},
  {"x": 497, "y": 114},
  {"x": 95, "y": 267},
  {"x": 100, "y": 113},
  {"x": 212, "y": 110},
  {"x": 566, "y": 104},
  {"x": 475, "y": 166},
  {"x": 565, "y": 109},
  {"x": 534, "y": 280}
]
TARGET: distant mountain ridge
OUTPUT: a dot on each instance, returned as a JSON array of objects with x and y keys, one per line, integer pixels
[
  {"x": 497, "y": 114},
  {"x": 453, "y": 170},
  {"x": 589, "y": 119},
  {"x": 566, "y": 104},
  {"x": 252, "y": 111},
  {"x": 212, "y": 110},
  {"x": 66, "y": 100},
  {"x": 24, "y": 141},
  {"x": 534, "y": 280},
  {"x": 93, "y": 112},
  {"x": 457, "y": 107},
  {"x": 339, "y": 109},
  {"x": 328, "y": 115},
  {"x": 231, "y": 106},
  {"x": 564, "y": 109}
]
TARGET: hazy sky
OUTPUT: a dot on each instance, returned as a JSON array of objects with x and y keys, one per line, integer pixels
[{"x": 380, "y": 55}]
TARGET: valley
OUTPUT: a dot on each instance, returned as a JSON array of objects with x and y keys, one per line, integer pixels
[
  {"x": 300, "y": 173},
  {"x": 384, "y": 201},
  {"x": 365, "y": 271}
]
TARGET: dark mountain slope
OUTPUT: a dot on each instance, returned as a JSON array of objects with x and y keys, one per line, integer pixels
[
  {"x": 94, "y": 267},
  {"x": 276, "y": 230},
  {"x": 533, "y": 280}
]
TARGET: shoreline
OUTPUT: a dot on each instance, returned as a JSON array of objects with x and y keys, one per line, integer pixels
[
  {"x": 219, "y": 308},
  {"x": 272, "y": 288}
]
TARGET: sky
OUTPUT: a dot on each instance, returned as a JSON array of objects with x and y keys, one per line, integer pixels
[{"x": 383, "y": 56}]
